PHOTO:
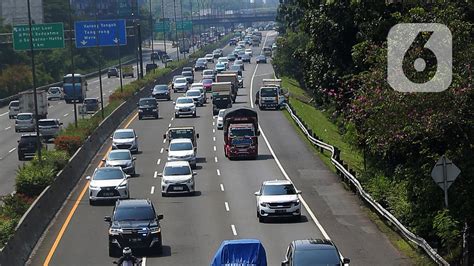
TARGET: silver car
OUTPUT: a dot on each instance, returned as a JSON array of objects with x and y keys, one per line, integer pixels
[
  {"x": 123, "y": 159},
  {"x": 125, "y": 139},
  {"x": 25, "y": 122},
  {"x": 108, "y": 183},
  {"x": 49, "y": 128}
]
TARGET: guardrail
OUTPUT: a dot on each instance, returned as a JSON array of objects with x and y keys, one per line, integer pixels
[
  {"x": 349, "y": 175},
  {"x": 7, "y": 100}
]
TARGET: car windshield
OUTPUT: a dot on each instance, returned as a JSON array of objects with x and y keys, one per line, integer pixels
[
  {"x": 220, "y": 65},
  {"x": 136, "y": 213},
  {"x": 108, "y": 174},
  {"x": 221, "y": 113},
  {"x": 235, "y": 67},
  {"x": 160, "y": 88},
  {"x": 47, "y": 123},
  {"x": 184, "y": 100},
  {"x": 120, "y": 155},
  {"x": 202, "y": 60},
  {"x": 28, "y": 140},
  {"x": 231, "y": 56},
  {"x": 123, "y": 135},
  {"x": 15, "y": 103},
  {"x": 146, "y": 102},
  {"x": 316, "y": 257},
  {"x": 177, "y": 77},
  {"x": 89, "y": 101},
  {"x": 181, "y": 146},
  {"x": 208, "y": 72},
  {"x": 24, "y": 117},
  {"x": 268, "y": 92},
  {"x": 187, "y": 73},
  {"x": 53, "y": 90},
  {"x": 181, "y": 80},
  {"x": 193, "y": 93},
  {"x": 181, "y": 134},
  {"x": 177, "y": 170},
  {"x": 278, "y": 190},
  {"x": 242, "y": 132},
  {"x": 207, "y": 81}
]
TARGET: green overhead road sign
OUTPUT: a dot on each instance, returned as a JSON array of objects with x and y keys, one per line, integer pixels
[
  {"x": 162, "y": 27},
  {"x": 45, "y": 36},
  {"x": 185, "y": 25}
]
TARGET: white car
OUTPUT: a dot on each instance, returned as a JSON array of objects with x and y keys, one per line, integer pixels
[
  {"x": 196, "y": 95},
  {"x": 223, "y": 60},
  {"x": 184, "y": 106},
  {"x": 209, "y": 58},
  {"x": 180, "y": 84},
  {"x": 182, "y": 150},
  {"x": 278, "y": 198},
  {"x": 55, "y": 93},
  {"x": 220, "y": 119},
  {"x": 125, "y": 139},
  {"x": 177, "y": 177},
  {"x": 249, "y": 52},
  {"x": 108, "y": 183}
]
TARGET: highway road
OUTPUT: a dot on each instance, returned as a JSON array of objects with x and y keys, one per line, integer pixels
[
  {"x": 224, "y": 207},
  {"x": 57, "y": 109}
]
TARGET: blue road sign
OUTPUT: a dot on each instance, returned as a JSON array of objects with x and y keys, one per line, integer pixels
[{"x": 101, "y": 32}]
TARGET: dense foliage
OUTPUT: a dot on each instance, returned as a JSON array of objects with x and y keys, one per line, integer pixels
[{"x": 344, "y": 66}]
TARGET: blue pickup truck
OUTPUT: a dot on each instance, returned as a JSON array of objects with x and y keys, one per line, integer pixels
[{"x": 242, "y": 252}]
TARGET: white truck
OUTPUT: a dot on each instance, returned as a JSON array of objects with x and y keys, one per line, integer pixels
[
  {"x": 184, "y": 46},
  {"x": 270, "y": 95},
  {"x": 221, "y": 96},
  {"x": 27, "y": 103}
]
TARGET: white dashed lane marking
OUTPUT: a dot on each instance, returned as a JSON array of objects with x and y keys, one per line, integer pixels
[
  {"x": 158, "y": 162},
  {"x": 152, "y": 190},
  {"x": 218, "y": 172},
  {"x": 222, "y": 187},
  {"x": 226, "y": 206},
  {"x": 12, "y": 150},
  {"x": 234, "y": 231},
  {"x": 155, "y": 175}
]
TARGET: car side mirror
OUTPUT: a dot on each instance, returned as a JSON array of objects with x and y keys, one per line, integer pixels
[
  {"x": 138, "y": 104},
  {"x": 167, "y": 149},
  {"x": 160, "y": 216},
  {"x": 258, "y": 132},
  {"x": 103, "y": 160},
  {"x": 18, "y": 141},
  {"x": 134, "y": 158},
  {"x": 257, "y": 193},
  {"x": 61, "y": 123},
  {"x": 195, "y": 173},
  {"x": 88, "y": 177},
  {"x": 136, "y": 137},
  {"x": 298, "y": 192},
  {"x": 174, "y": 103},
  {"x": 197, "y": 135},
  {"x": 285, "y": 263},
  {"x": 107, "y": 219},
  {"x": 111, "y": 137},
  {"x": 127, "y": 176},
  {"x": 346, "y": 261},
  {"x": 160, "y": 174},
  {"x": 164, "y": 136}
]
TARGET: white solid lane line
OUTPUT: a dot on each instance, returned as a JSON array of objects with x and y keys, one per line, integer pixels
[
  {"x": 226, "y": 206},
  {"x": 4, "y": 114},
  {"x": 156, "y": 174},
  {"x": 12, "y": 150},
  {"x": 66, "y": 114},
  {"x": 215, "y": 159},
  {"x": 158, "y": 162},
  {"x": 306, "y": 206},
  {"x": 222, "y": 187},
  {"x": 234, "y": 231},
  {"x": 218, "y": 172},
  {"x": 161, "y": 151},
  {"x": 152, "y": 190},
  {"x": 143, "y": 261}
]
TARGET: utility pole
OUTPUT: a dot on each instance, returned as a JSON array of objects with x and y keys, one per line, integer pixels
[
  {"x": 136, "y": 37},
  {"x": 35, "y": 96},
  {"x": 192, "y": 26},
  {"x": 99, "y": 58},
  {"x": 140, "y": 52},
  {"x": 152, "y": 35},
  {"x": 164, "y": 26},
  {"x": 71, "y": 46},
  {"x": 176, "y": 29},
  {"x": 119, "y": 57},
  {"x": 182, "y": 26}
]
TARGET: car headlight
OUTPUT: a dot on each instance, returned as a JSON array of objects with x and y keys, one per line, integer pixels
[
  {"x": 93, "y": 187},
  {"x": 140, "y": 110},
  {"x": 193, "y": 107},
  {"x": 123, "y": 185},
  {"x": 296, "y": 202},
  {"x": 189, "y": 181},
  {"x": 166, "y": 181},
  {"x": 263, "y": 204},
  {"x": 154, "y": 110},
  {"x": 115, "y": 231},
  {"x": 155, "y": 230},
  {"x": 176, "y": 107}
]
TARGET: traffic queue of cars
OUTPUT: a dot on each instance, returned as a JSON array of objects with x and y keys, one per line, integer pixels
[{"x": 135, "y": 223}]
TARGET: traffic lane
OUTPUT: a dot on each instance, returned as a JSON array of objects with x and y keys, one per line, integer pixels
[
  {"x": 339, "y": 211},
  {"x": 194, "y": 225},
  {"x": 244, "y": 177}
]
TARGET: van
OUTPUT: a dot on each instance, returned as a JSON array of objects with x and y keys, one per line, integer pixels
[{"x": 13, "y": 109}]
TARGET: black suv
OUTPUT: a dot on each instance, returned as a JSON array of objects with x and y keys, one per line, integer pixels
[
  {"x": 313, "y": 252},
  {"x": 135, "y": 224},
  {"x": 147, "y": 107},
  {"x": 161, "y": 91},
  {"x": 27, "y": 146},
  {"x": 113, "y": 71}
]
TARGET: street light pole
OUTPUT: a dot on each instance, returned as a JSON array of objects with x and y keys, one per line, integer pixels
[
  {"x": 99, "y": 57},
  {"x": 182, "y": 27},
  {"x": 164, "y": 27},
  {"x": 192, "y": 26},
  {"x": 152, "y": 35},
  {"x": 35, "y": 96},
  {"x": 71, "y": 47},
  {"x": 176, "y": 28}
]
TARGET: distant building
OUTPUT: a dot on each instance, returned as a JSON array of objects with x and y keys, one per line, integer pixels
[{"x": 15, "y": 12}]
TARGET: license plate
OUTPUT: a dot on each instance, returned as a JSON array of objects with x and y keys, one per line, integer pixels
[
  {"x": 178, "y": 188},
  {"x": 135, "y": 239},
  {"x": 108, "y": 194},
  {"x": 280, "y": 211}
]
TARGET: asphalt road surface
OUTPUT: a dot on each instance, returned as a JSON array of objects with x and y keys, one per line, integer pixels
[
  {"x": 57, "y": 109},
  {"x": 224, "y": 207}
]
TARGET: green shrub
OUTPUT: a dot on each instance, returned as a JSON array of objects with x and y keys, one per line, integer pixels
[
  {"x": 448, "y": 230},
  {"x": 56, "y": 158},
  {"x": 14, "y": 206},
  {"x": 32, "y": 179},
  {"x": 7, "y": 228}
]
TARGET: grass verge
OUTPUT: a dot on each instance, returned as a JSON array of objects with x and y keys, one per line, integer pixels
[{"x": 318, "y": 121}]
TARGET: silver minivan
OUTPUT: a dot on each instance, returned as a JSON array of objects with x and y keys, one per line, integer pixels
[
  {"x": 13, "y": 109},
  {"x": 25, "y": 122}
]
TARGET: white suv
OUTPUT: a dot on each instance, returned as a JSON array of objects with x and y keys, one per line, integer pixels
[
  {"x": 177, "y": 177},
  {"x": 182, "y": 150},
  {"x": 108, "y": 183},
  {"x": 184, "y": 106},
  {"x": 278, "y": 198}
]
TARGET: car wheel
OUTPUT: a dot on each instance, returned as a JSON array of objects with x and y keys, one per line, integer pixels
[
  {"x": 176, "y": 115},
  {"x": 297, "y": 218},
  {"x": 140, "y": 117},
  {"x": 91, "y": 202},
  {"x": 156, "y": 116},
  {"x": 163, "y": 194},
  {"x": 169, "y": 98},
  {"x": 194, "y": 115},
  {"x": 113, "y": 251},
  {"x": 21, "y": 158},
  {"x": 193, "y": 166},
  {"x": 261, "y": 219},
  {"x": 10, "y": 117}
]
